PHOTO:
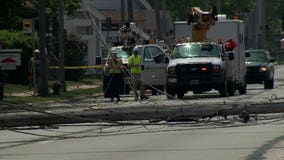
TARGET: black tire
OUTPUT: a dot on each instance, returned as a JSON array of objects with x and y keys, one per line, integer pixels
[
  {"x": 170, "y": 93},
  {"x": 231, "y": 88},
  {"x": 197, "y": 91},
  {"x": 180, "y": 95},
  {"x": 223, "y": 89},
  {"x": 154, "y": 92},
  {"x": 127, "y": 90},
  {"x": 243, "y": 89},
  {"x": 269, "y": 84}
]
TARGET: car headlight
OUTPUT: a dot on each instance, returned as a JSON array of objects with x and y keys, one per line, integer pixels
[
  {"x": 216, "y": 68},
  {"x": 172, "y": 70},
  {"x": 262, "y": 69}
]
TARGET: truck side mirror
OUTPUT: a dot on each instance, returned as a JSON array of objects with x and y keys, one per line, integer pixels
[
  {"x": 247, "y": 54},
  {"x": 167, "y": 60},
  {"x": 158, "y": 59},
  {"x": 231, "y": 56},
  {"x": 272, "y": 60}
]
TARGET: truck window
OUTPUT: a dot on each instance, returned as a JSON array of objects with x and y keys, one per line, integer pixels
[
  {"x": 150, "y": 52},
  {"x": 196, "y": 50},
  {"x": 257, "y": 56}
]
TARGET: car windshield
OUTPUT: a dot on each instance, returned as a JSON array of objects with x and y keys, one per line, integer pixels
[
  {"x": 256, "y": 56},
  {"x": 123, "y": 52},
  {"x": 196, "y": 50}
]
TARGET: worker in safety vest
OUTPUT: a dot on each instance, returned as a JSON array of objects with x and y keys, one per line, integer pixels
[
  {"x": 34, "y": 70},
  {"x": 134, "y": 63},
  {"x": 115, "y": 76}
]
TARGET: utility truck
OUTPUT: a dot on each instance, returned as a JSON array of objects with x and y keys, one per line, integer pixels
[
  {"x": 154, "y": 61},
  {"x": 213, "y": 58}
]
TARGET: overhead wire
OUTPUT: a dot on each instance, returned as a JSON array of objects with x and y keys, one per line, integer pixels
[{"x": 109, "y": 51}]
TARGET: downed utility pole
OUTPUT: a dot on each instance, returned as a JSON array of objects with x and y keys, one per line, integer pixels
[{"x": 137, "y": 112}]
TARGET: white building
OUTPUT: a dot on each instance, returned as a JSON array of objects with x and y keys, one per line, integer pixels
[{"x": 143, "y": 15}]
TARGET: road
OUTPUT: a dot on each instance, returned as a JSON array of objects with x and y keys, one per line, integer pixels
[
  {"x": 215, "y": 138},
  {"x": 193, "y": 141}
]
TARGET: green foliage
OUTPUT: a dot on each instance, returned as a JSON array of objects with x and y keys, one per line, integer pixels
[
  {"x": 13, "y": 11},
  {"x": 10, "y": 13},
  {"x": 274, "y": 11},
  {"x": 16, "y": 40},
  {"x": 74, "y": 57},
  {"x": 70, "y": 5}
]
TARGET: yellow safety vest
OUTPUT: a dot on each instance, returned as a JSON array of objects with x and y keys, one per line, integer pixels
[
  {"x": 135, "y": 60},
  {"x": 114, "y": 67}
]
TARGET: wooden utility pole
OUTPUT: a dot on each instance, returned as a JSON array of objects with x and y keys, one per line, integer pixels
[
  {"x": 158, "y": 19},
  {"x": 218, "y": 5},
  {"x": 122, "y": 12},
  {"x": 130, "y": 10},
  {"x": 43, "y": 86},
  {"x": 62, "y": 45}
]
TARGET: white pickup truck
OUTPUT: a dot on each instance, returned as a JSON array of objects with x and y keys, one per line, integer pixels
[{"x": 153, "y": 67}]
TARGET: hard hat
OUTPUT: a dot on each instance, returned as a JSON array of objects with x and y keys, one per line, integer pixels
[
  {"x": 135, "y": 49},
  {"x": 36, "y": 51}
]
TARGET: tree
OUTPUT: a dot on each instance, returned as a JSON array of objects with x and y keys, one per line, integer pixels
[
  {"x": 274, "y": 11},
  {"x": 13, "y": 39},
  {"x": 74, "y": 57},
  {"x": 13, "y": 11}
]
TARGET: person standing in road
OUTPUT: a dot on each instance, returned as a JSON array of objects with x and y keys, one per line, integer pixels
[
  {"x": 134, "y": 63},
  {"x": 115, "y": 76}
]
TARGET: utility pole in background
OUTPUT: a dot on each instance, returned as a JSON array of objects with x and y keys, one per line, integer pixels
[
  {"x": 122, "y": 13},
  {"x": 43, "y": 89},
  {"x": 218, "y": 5},
  {"x": 62, "y": 45},
  {"x": 206, "y": 4},
  {"x": 262, "y": 24},
  {"x": 130, "y": 10},
  {"x": 164, "y": 22},
  {"x": 158, "y": 19}
]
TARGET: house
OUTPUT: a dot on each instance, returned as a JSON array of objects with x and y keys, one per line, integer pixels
[{"x": 95, "y": 16}]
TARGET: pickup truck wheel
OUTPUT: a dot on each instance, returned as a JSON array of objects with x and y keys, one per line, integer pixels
[
  {"x": 154, "y": 92},
  {"x": 180, "y": 95},
  {"x": 197, "y": 91},
  {"x": 231, "y": 88},
  {"x": 127, "y": 90},
  {"x": 243, "y": 89},
  {"x": 269, "y": 84},
  {"x": 170, "y": 93},
  {"x": 223, "y": 90}
]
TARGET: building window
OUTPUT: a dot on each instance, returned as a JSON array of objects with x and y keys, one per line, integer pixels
[{"x": 84, "y": 30}]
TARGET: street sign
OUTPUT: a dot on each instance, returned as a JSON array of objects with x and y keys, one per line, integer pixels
[
  {"x": 27, "y": 27},
  {"x": 8, "y": 64},
  {"x": 10, "y": 58}
]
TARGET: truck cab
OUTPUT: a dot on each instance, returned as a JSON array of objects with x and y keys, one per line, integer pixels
[
  {"x": 196, "y": 67},
  {"x": 153, "y": 66}
]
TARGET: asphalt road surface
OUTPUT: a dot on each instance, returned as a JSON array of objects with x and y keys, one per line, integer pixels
[{"x": 216, "y": 138}]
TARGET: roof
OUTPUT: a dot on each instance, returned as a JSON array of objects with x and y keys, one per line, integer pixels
[
  {"x": 116, "y": 15},
  {"x": 116, "y": 5}
]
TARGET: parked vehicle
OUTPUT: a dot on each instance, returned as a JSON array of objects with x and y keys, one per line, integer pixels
[
  {"x": 153, "y": 67},
  {"x": 198, "y": 74},
  {"x": 260, "y": 68}
]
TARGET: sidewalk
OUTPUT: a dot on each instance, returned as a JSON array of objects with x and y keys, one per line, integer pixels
[{"x": 69, "y": 88}]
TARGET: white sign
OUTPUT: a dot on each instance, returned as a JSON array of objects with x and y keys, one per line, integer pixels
[
  {"x": 8, "y": 66},
  {"x": 10, "y": 55}
]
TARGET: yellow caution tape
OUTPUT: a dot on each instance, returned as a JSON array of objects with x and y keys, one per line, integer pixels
[{"x": 76, "y": 67}]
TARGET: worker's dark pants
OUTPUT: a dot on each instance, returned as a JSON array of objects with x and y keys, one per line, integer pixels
[{"x": 115, "y": 85}]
